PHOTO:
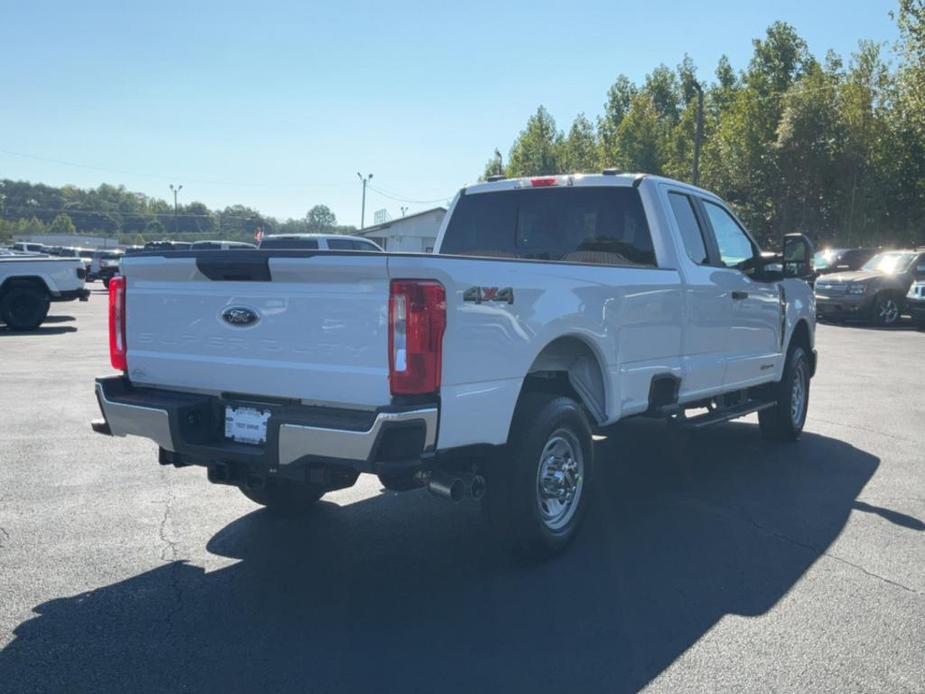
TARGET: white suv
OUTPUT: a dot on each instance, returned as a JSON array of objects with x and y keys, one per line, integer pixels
[{"x": 328, "y": 242}]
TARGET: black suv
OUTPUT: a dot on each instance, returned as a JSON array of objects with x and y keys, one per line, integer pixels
[
  {"x": 876, "y": 292},
  {"x": 831, "y": 260}
]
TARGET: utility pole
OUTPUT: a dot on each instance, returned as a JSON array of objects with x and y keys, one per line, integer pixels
[
  {"x": 698, "y": 138},
  {"x": 175, "y": 191},
  {"x": 363, "y": 209},
  {"x": 403, "y": 210}
]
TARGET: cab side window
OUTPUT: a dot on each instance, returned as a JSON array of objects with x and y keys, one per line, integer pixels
[
  {"x": 735, "y": 248},
  {"x": 691, "y": 234}
]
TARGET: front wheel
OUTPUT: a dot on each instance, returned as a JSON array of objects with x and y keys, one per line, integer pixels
[
  {"x": 784, "y": 421},
  {"x": 886, "y": 310},
  {"x": 539, "y": 491},
  {"x": 284, "y": 497}
]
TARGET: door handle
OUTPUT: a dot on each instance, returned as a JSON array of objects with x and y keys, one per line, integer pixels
[{"x": 738, "y": 296}]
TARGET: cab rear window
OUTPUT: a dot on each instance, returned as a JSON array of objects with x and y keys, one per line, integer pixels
[{"x": 601, "y": 226}]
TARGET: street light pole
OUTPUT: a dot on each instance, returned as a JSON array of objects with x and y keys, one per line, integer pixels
[
  {"x": 175, "y": 191},
  {"x": 698, "y": 138},
  {"x": 363, "y": 209}
]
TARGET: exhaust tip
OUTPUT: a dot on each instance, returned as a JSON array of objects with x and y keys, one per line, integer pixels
[
  {"x": 478, "y": 487},
  {"x": 447, "y": 486}
]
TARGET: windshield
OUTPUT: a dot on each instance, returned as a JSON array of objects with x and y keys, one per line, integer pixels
[
  {"x": 891, "y": 262},
  {"x": 826, "y": 258}
]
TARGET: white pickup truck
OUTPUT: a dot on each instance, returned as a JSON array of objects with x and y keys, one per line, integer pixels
[
  {"x": 552, "y": 308},
  {"x": 29, "y": 283}
]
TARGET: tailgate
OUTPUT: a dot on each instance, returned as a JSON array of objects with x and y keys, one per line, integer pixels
[{"x": 263, "y": 323}]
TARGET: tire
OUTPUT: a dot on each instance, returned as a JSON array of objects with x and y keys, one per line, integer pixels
[
  {"x": 284, "y": 497},
  {"x": 23, "y": 308},
  {"x": 784, "y": 421},
  {"x": 540, "y": 488},
  {"x": 886, "y": 310}
]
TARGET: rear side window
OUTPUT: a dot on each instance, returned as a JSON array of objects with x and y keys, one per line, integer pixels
[
  {"x": 302, "y": 244},
  {"x": 350, "y": 245},
  {"x": 691, "y": 234},
  {"x": 601, "y": 226}
]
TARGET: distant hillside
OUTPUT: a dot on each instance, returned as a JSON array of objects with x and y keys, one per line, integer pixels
[{"x": 35, "y": 208}]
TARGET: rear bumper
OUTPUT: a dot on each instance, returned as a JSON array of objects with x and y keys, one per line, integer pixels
[{"x": 189, "y": 428}]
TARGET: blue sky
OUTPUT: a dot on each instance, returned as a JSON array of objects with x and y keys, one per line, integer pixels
[{"x": 278, "y": 105}]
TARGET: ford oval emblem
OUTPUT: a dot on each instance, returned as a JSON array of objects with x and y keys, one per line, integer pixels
[{"x": 239, "y": 316}]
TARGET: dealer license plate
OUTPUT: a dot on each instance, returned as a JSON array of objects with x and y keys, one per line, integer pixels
[{"x": 246, "y": 424}]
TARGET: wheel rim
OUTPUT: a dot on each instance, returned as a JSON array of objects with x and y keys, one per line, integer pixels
[
  {"x": 798, "y": 394},
  {"x": 889, "y": 311},
  {"x": 559, "y": 479}
]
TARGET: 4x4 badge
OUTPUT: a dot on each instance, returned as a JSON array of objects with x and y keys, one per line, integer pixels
[{"x": 479, "y": 295}]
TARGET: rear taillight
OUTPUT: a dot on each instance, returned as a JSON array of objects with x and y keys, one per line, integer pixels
[
  {"x": 117, "y": 347},
  {"x": 417, "y": 320}
]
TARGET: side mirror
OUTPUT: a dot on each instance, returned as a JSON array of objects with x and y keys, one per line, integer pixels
[{"x": 797, "y": 257}]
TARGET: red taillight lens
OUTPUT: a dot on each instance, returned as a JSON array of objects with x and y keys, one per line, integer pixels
[
  {"x": 117, "y": 347},
  {"x": 417, "y": 320},
  {"x": 543, "y": 182}
]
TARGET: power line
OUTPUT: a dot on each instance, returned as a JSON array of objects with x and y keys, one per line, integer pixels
[
  {"x": 70, "y": 211},
  {"x": 398, "y": 198},
  {"x": 201, "y": 181}
]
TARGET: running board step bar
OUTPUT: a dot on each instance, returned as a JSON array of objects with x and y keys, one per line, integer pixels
[{"x": 723, "y": 415}]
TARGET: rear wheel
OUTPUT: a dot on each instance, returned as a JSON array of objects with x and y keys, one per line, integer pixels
[
  {"x": 539, "y": 491},
  {"x": 284, "y": 497},
  {"x": 886, "y": 309},
  {"x": 784, "y": 421},
  {"x": 23, "y": 308}
]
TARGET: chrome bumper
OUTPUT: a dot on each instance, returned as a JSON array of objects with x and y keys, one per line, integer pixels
[
  {"x": 132, "y": 415},
  {"x": 135, "y": 420},
  {"x": 297, "y": 440}
]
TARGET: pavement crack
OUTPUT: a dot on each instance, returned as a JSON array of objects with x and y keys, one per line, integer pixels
[
  {"x": 169, "y": 553},
  {"x": 168, "y": 546},
  {"x": 870, "y": 430},
  {"x": 5, "y": 534},
  {"x": 738, "y": 513}
]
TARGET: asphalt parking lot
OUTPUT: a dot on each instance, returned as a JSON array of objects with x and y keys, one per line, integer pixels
[{"x": 730, "y": 566}]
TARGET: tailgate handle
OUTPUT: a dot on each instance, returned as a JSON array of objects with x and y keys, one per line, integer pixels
[{"x": 230, "y": 266}]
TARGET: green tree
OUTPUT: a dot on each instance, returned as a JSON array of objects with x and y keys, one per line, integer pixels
[
  {"x": 536, "y": 150},
  {"x": 579, "y": 151},
  {"x": 62, "y": 224},
  {"x": 639, "y": 137},
  {"x": 320, "y": 218},
  {"x": 494, "y": 167},
  {"x": 155, "y": 230},
  {"x": 619, "y": 97}
]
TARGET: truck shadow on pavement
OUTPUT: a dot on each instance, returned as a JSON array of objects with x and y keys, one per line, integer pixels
[
  {"x": 405, "y": 593},
  {"x": 41, "y": 330}
]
